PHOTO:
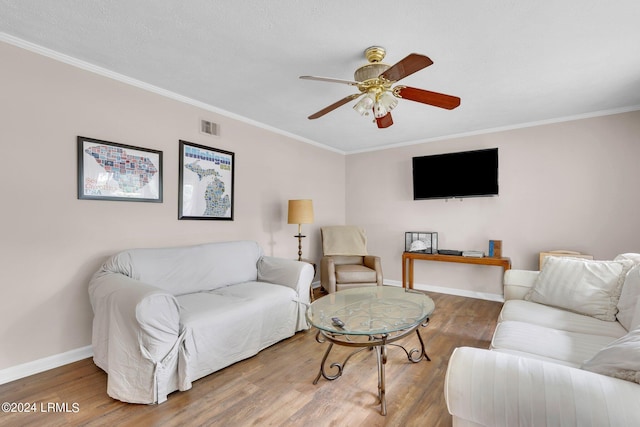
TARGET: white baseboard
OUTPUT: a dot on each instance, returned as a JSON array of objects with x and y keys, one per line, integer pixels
[
  {"x": 41, "y": 365},
  {"x": 450, "y": 291}
]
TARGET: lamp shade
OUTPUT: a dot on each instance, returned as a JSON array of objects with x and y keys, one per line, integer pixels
[{"x": 300, "y": 211}]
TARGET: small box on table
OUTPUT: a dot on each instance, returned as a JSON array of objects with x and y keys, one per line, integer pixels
[
  {"x": 495, "y": 248},
  {"x": 425, "y": 242}
]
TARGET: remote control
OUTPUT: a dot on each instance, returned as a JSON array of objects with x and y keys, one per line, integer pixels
[{"x": 336, "y": 321}]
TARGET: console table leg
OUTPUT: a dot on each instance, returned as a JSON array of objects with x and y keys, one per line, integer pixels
[
  {"x": 404, "y": 272},
  {"x": 410, "y": 284}
]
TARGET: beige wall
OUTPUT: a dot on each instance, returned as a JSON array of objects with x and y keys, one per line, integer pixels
[
  {"x": 51, "y": 242},
  {"x": 570, "y": 185}
]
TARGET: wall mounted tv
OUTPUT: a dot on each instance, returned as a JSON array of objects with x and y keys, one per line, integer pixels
[{"x": 462, "y": 174}]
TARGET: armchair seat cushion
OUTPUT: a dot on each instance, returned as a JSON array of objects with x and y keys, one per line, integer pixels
[{"x": 353, "y": 273}]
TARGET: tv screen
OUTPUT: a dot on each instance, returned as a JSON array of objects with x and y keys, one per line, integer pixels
[{"x": 462, "y": 174}]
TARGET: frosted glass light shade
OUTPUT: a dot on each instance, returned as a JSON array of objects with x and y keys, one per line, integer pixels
[
  {"x": 364, "y": 105},
  {"x": 379, "y": 110},
  {"x": 388, "y": 100}
]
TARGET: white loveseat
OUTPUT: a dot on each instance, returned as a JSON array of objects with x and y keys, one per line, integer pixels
[
  {"x": 565, "y": 337},
  {"x": 168, "y": 316}
]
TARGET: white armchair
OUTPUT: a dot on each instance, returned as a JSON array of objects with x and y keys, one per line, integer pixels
[{"x": 490, "y": 388}]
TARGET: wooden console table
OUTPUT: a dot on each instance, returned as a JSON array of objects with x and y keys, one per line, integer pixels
[{"x": 408, "y": 257}]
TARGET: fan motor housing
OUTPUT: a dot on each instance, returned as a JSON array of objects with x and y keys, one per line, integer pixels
[{"x": 370, "y": 71}]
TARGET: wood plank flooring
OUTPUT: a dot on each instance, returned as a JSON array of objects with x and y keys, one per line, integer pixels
[{"x": 275, "y": 388}]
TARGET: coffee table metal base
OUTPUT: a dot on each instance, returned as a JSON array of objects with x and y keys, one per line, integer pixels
[{"x": 378, "y": 343}]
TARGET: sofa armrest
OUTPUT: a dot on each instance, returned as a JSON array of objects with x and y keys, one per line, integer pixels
[
  {"x": 328, "y": 274},
  {"x": 297, "y": 275},
  {"x": 294, "y": 274},
  {"x": 136, "y": 336},
  {"x": 490, "y": 388},
  {"x": 518, "y": 282},
  {"x": 373, "y": 262}
]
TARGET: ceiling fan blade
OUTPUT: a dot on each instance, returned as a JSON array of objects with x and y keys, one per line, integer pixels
[
  {"x": 330, "y": 80},
  {"x": 334, "y": 106},
  {"x": 384, "y": 121},
  {"x": 427, "y": 97},
  {"x": 409, "y": 65}
]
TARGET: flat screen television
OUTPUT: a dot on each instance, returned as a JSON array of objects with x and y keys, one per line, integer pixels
[{"x": 462, "y": 174}]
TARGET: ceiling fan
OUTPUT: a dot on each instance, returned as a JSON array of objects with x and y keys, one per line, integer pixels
[{"x": 375, "y": 80}]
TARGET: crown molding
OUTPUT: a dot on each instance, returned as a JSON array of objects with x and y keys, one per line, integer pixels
[
  {"x": 75, "y": 62},
  {"x": 180, "y": 98}
]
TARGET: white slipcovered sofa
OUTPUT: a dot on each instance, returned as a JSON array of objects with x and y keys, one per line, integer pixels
[
  {"x": 165, "y": 317},
  {"x": 565, "y": 352}
]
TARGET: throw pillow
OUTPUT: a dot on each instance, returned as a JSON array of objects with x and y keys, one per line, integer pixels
[
  {"x": 629, "y": 299},
  {"x": 620, "y": 359},
  {"x": 580, "y": 285}
]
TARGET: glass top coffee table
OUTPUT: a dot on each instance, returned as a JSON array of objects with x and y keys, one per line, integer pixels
[{"x": 370, "y": 317}]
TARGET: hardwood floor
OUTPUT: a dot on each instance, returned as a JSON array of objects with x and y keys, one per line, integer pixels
[{"x": 275, "y": 387}]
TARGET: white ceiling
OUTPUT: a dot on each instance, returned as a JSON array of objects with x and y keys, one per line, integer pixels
[{"x": 511, "y": 62}]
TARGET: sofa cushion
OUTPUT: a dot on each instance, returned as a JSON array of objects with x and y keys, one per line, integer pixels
[
  {"x": 620, "y": 359},
  {"x": 183, "y": 270},
  {"x": 232, "y": 323},
  {"x": 557, "y": 318},
  {"x": 572, "y": 347},
  {"x": 536, "y": 357},
  {"x": 352, "y": 273},
  {"x": 580, "y": 285}
]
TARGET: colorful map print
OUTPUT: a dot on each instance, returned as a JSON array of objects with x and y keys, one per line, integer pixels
[
  {"x": 216, "y": 202},
  {"x": 130, "y": 173},
  {"x": 210, "y": 195}
]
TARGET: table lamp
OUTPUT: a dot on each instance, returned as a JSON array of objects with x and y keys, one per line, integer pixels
[{"x": 300, "y": 212}]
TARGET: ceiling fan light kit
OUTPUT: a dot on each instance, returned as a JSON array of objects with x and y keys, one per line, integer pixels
[
  {"x": 375, "y": 80},
  {"x": 365, "y": 104}
]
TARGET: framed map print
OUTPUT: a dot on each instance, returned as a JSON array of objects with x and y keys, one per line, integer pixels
[
  {"x": 205, "y": 182},
  {"x": 110, "y": 171}
]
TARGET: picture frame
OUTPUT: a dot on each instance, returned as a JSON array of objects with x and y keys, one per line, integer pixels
[
  {"x": 118, "y": 172},
  {"x": 205, "y": 182}
]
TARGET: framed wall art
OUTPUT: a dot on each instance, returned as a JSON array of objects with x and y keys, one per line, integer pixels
[
  {"x": 205, "y": 182},
  {"x": 111, "y": 171}
]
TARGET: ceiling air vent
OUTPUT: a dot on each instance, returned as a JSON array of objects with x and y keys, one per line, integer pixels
[{"x": 209, "y": 128}]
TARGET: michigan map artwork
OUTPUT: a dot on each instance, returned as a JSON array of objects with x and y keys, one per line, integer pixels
[
  {"x": 207, "y": 183},
  {"x": 119, "y": 173}
]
